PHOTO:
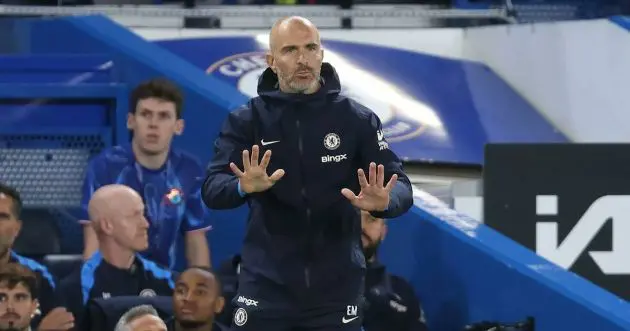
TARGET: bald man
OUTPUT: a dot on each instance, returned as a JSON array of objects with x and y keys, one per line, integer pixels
[
  {"x": 302, "y": 263},
  {"x": 116, "y": 269}
]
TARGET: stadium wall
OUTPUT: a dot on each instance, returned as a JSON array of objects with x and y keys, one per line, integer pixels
[
  {"x": 575, "y": 73},
  {"x": 462, "y": 270}
]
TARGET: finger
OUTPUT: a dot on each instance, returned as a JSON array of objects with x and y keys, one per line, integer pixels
[
  {"x": 349, "y": 194},
  {"x": 265, "y": 159},
  {"x": 391, "y": 183},
  {"x": 380, "y": 175},
  {"x": 372, "y": 178},
  {"x": 237, "y": 172},
  {"x": 255, "y": 155},
  {"x": 277, "y": 175},
  {"x": 246, "y": 164},
  {"x": 362, "y": 180}
]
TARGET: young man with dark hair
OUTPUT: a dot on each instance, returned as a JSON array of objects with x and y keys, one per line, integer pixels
[
  {"x": 168, "y": 179},
  {"x": 18, "y": 297},
  {"x": 10, "y": 225},
  {"x": 197, "y": 301}
]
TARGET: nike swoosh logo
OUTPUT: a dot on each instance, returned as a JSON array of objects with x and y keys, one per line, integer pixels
[
  {"x": 348, "y": 320},
  {"x": 265, "y": 143}
]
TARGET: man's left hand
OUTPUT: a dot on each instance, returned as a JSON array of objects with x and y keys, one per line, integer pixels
[{"x": 373, "y": 196}]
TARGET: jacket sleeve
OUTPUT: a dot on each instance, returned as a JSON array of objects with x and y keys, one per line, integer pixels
[
  {"x": 221, "y": 189},
  {"x": 374, "y": 148}
]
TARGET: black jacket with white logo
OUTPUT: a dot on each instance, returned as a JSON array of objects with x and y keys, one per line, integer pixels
[
  {"x": 391, "y": 302},
  {"x": 304, "y": 236}
]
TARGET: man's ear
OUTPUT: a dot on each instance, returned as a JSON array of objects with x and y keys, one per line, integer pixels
[
  {"x": 18, "y": 228},
  {"x": 179, "y": 127},
  {"x": 270, "y": 61},
  {"x": 219, "y": 304},
  {"x": 105, "y": 225},
  {"x": 131, "y": 121},
  {"x": 35, "y": 310}
]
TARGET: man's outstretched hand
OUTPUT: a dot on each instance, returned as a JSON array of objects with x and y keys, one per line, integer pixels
[
  {"x": 254, "y": 176},
  {"x": 373, "y": 196}
]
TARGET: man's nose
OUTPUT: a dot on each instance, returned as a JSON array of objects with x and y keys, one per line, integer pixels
[{"x": 302, "y": 59}]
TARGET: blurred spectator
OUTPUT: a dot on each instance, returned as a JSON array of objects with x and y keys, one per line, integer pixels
[
  {"x": 44, "y": 293},
  {"x": 116, "y": 269},
  {"x": 391, "y": 303},
  {"x": 197, "y": 301},
  {"x": 141, "y": 318}
]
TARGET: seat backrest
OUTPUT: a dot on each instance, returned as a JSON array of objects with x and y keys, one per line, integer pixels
[
  {"x": 103, "y": 314},
  {"x": 61, "y": 265},
  {"x": 39, "y": 235}
]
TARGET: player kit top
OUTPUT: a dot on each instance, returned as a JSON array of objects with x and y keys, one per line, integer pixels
[{"x": 171, "y": 195}]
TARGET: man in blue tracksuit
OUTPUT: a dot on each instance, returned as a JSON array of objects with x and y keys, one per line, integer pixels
[
  {"x": 116, "y": 213},
  {"x": 302, "y": 262}
]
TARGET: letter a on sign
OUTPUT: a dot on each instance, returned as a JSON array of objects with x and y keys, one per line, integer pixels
[{"x": 615, "y": 207}]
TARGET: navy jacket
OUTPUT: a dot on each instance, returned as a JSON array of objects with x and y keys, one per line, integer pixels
[
  {"x": 304, "y": 236},
  {"x": 98, "y": 279}
]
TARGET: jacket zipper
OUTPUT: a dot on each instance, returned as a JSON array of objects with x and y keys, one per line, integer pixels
[{"x": 307, "y": 273}]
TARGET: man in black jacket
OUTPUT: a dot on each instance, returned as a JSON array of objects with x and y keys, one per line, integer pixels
[
  {"x": 302, "y": 263},
  {"x": 391, "y": 302}
]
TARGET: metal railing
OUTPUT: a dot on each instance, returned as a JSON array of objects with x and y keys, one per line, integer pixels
[{"x": 258, "y": 12}]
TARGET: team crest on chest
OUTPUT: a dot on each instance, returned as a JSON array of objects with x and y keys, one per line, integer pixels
[
  {"x": 174, "y": 196},
  {"x": 332, "y": 141}
]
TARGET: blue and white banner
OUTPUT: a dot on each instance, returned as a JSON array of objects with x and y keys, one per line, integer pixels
[{"x": 433, "y": 109}]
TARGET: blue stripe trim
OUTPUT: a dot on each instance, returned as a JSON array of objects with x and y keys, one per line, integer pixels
[
  {"x": 622, "y": 21},
  {"x": 158, "y": 272},
  {"x": 35, "y": 267},
  {"x": 87, "y": 275}
]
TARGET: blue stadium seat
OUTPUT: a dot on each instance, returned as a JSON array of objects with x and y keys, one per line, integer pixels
[{"x": 61, "y": 265}]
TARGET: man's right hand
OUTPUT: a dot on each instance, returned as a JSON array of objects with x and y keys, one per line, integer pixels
[
  {"x": 254, "y": 176},
  {"x": 57, "y": 319}
]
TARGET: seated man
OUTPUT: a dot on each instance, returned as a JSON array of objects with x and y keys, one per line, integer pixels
[
  {"x": 116, "y": 269},
  {"x": 197, "y": 301},
  {"x": 10, "y": 225},
  {"x": 141, "y": 318},
  {"x": 391, "y": 303}
]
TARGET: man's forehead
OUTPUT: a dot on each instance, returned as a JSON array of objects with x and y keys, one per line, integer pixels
[
  {"x": 293, "y": 33},
  {"x": 19, "y": 288},
  {"x": 156, "y": 105},
  {"x": 195, "y": 277}
]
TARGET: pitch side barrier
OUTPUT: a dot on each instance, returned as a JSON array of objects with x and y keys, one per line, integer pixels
[{"x": 465, "y": 272}]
